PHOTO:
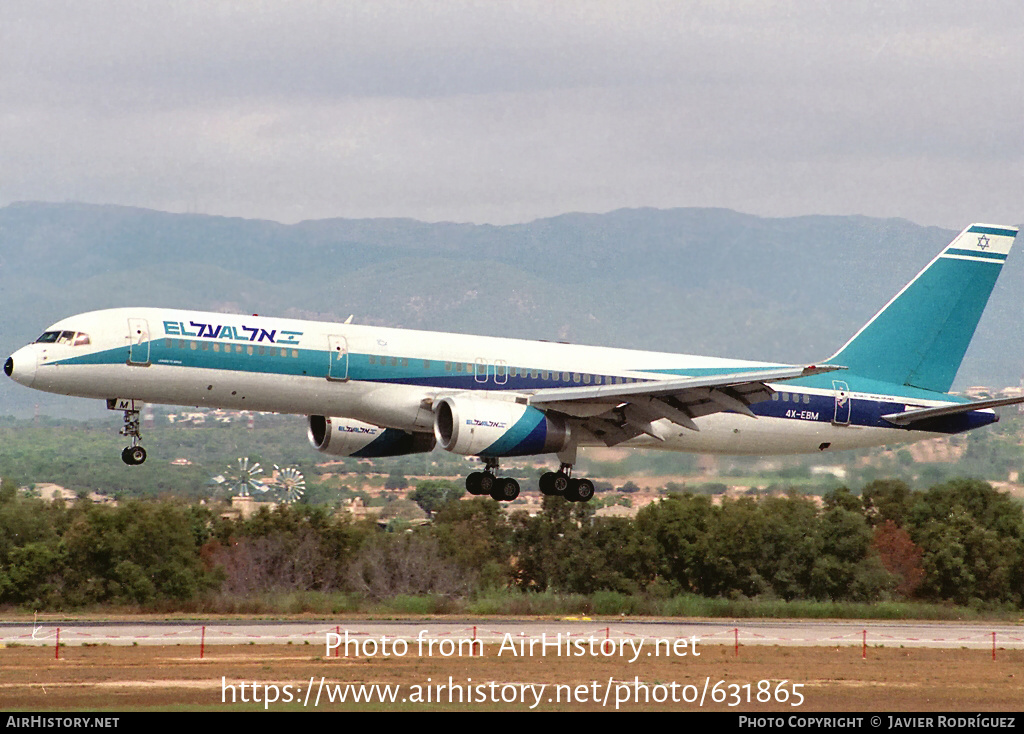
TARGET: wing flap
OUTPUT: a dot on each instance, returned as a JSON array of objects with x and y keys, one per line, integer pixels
[
  {"x": 744, "y": 381},
  {"x": 623, "y": 411}
]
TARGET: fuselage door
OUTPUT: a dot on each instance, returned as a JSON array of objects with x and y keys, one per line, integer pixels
[
  {"x": 338, "y": 369},
  {"x": 500, "y": 372},
  {"x": 481, "y": 370},
  {"x": 138, "y": 342},
  {"x": 843, "y": 403}
]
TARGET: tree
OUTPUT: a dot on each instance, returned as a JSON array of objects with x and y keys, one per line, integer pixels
[
  {"x": 679, "y": 529},
  {"x": 973, "y": 542},
  {"x": 433, "y": 494},
  {"x": 396, "y": 480},
  {"x": 887, "y": 500},
  {"x": 407, "y": 563},
  {"x": 899, "y": 555}
]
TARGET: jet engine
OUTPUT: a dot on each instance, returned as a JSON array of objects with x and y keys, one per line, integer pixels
[
  {"x": 474, "y": 426},
  {"x": 347, "y": 437}
]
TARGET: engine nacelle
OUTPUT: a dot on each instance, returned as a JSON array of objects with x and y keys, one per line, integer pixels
[
  {"x": 474, "y": 426},
  {"x": 347, "y": 437}
]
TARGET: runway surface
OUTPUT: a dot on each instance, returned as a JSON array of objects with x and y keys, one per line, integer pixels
[{"x": 379, "y": 634}]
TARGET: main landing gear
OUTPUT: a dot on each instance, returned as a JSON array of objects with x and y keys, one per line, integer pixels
[
  {"x": 563, "y": 483},
  {"x": 506, "y": 489},
  {"x": 502, "y": 489},
  {"x": 132, "y": 455}
]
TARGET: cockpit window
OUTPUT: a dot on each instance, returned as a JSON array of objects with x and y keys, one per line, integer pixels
[{"x": 75, "y": 338}]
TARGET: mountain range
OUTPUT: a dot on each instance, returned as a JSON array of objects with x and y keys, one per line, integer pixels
[{"x": 702, "y": 281}]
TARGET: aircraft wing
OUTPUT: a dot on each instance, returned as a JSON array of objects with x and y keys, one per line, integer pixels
[
  {"x": 616, "y": 413},
  {"x": 909, "y": 417}
]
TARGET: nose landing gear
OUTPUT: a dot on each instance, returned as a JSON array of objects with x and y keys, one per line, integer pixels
[{"x": 132, "y": 455}]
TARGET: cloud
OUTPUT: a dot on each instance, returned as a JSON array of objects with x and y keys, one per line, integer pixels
[{"x": 508, "y": 111}]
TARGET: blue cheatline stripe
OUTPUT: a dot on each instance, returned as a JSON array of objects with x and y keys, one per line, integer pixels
[
  {"x": 863, "y": 412},
  {"x": 526, "y": 437},
  {"x": 995, "y": 256},
  {"x": 993, "y": 230}
]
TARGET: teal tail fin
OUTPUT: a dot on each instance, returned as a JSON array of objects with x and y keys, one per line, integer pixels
[{"x": 920, "y": 337}]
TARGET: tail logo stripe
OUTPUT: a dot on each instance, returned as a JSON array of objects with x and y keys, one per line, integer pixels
[
  {"x": 982, "y": 257},
  {"x": 997, "y": 231}
]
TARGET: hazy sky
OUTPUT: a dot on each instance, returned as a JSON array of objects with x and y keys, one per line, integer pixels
[{"x": 508, "y": 111}]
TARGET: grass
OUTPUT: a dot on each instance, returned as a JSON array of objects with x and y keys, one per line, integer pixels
[{"x": 514, "y": 603}]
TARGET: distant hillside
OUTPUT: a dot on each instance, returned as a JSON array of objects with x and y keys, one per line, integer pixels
[{"x": 706, "y": 281}]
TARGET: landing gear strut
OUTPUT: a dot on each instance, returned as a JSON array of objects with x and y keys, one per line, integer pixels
[
  {"x": 563, "y": 483},
  {"x": 502, "y": 489},
  {"x": 132, "y": 455}
]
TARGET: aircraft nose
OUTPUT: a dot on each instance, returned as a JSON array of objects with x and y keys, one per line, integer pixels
[{"x": 21, "y": 366}]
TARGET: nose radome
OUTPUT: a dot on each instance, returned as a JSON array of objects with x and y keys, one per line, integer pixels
[{"x": 21, "y": 366}]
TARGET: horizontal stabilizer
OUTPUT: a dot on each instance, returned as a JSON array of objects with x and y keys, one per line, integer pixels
[{"x": 920, "y": 414}]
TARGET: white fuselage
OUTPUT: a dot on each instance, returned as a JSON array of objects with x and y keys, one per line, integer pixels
[{"x": 392, "y": 377}]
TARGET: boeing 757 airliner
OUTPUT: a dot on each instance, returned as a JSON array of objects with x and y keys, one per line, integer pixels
[{"x": 374, "y": 392}]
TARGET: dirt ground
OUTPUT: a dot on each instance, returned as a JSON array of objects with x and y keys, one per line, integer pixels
[{"x": 758, "y": 680}]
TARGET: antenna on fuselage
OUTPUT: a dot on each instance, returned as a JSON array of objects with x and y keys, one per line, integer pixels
[{"x": 349, "y": 319}]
